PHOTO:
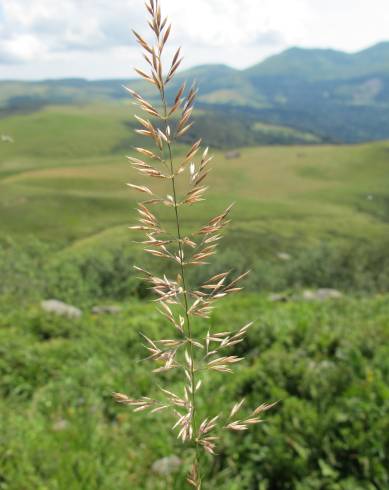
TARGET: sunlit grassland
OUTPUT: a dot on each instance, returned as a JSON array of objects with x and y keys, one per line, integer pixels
[{"x": 64, "y": 178}]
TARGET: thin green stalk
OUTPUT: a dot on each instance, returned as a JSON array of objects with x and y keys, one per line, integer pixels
[{"x": 185, "y": 292}]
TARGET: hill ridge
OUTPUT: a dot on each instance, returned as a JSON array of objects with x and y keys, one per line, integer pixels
[{"x": 338, "y": 96}]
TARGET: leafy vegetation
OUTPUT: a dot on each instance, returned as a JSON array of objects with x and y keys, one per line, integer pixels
[
  {"x": 326, "y": 363},
  {"x": 101, "y": 270},
  {"x": 232, "y": 128}
]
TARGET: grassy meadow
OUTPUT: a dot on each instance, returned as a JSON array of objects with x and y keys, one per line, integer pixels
[
  {"x": 64, "y": 178},
  {"x": 305, "y": 217}
]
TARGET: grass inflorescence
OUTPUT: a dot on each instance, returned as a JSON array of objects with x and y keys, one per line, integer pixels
[{"x": 192, "y": 351}]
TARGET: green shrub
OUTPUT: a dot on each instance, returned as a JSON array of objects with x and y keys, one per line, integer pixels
[
  {"x": 326, "y": 363},
  {"x": 36, "y": 270}
]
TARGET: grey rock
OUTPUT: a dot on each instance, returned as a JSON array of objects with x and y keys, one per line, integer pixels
[
  {"x": 284, "y": 256},
  {"x": 106, "y": 310},
  {"x": 166, "y": 466},
  {"x": 6, "y": 138},
  {"x": 278, "y": 298},
  {"x": 62, "y": 309},
  {"x": 231, "y": 155},
  {"x": 60, "y": 425},
  {"x": 322, "y": 294}
]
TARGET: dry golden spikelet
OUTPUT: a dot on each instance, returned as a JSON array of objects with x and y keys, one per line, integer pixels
[{"x": 184, "y": 349}]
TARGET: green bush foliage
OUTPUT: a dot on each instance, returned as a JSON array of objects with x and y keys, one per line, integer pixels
[
  {"x": 326, "y": 363},
  {"x": 38, "y": 270}
]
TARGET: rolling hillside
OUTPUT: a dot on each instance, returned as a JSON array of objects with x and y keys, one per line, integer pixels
[{"x": 63, "y": 177}]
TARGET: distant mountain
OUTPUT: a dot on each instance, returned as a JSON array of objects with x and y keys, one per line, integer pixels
[
  {"x": 324, "y": 64},
  {"x": 338, "y": 96},
  {"x": 334, "y": 95}
]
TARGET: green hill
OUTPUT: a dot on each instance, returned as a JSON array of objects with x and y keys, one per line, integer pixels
[
  {"x": 336, "y": 96},
  {"x": 325, "y": 64},
  {"x": 64, "y": 175}
]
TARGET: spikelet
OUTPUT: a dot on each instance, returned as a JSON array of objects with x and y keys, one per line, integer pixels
[{"x": 163, "y": 125}]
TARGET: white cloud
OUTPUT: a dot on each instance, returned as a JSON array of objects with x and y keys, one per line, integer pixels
[
  {"x": 41, "y": 38},
  {"x": 22, "y": 48}
]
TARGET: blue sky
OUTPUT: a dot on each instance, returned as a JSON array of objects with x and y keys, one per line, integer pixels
[{"x": 91, "y": 38}]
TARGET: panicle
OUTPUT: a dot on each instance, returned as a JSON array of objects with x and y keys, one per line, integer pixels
[{"x": 183, "y": 180}]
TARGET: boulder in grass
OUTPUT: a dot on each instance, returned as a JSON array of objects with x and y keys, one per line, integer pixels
[
  {"x": 322, "y": 294},
  {"x": 232, "y": 155},
  {"x": 6, "y": 138},
  {"x": 166, "y": 466},
  {"x": 284, "y": 256},
  {"x": 61, "y": 309},
  {"x": 60, "y": 425},
  {"x": 278, "y": 298},
  {"x": 106, "y": 310}
]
